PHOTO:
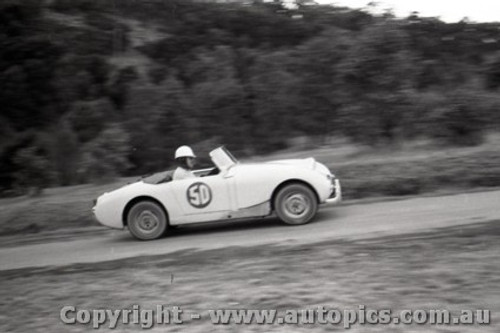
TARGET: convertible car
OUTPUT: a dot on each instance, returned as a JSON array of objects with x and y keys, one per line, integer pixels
[{"x": 292, "y": 189}]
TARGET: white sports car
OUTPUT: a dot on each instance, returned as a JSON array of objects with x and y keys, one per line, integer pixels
[{"x": 292, "y": 189}]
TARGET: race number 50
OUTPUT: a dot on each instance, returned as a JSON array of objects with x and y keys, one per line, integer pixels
[{"x": 199, "y": 195}]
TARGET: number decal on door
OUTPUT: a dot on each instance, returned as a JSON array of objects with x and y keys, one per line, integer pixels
[{"x": 199, "y": 195}]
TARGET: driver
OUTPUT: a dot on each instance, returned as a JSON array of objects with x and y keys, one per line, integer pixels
[{"x": 185, "y": 158}]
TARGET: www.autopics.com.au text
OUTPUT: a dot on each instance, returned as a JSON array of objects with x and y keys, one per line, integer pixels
[{"x": 321, "y": 315}]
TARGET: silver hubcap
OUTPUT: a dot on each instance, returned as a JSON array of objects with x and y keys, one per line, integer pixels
[
  {"x": 147, "y": 221},
  {"x": 297, "y": 205}
]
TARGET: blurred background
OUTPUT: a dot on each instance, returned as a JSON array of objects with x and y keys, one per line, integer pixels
[
  {"x": 94, "y": 93},
  {"x": 92, "y": 90}
]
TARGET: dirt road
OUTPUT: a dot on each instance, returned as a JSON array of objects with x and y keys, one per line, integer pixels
[{"x": 352, "y": 221}]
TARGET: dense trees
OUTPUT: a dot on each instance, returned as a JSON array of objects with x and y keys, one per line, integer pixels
[{"x": 93, "y": 89}]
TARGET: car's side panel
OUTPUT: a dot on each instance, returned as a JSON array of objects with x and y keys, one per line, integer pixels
[
  {"x": 202, "y": 199},
  {"x": 110, "y": 206},
  {"x": 108, "y": 211},
  {"x": 255, "y": 184}
]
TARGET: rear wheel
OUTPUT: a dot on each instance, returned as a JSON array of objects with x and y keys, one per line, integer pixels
[
  {"x": 147, "y": 220},
  {"x": 295, "y": 204}
]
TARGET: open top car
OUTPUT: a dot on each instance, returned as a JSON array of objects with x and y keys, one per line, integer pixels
[{"x": 292, "y": 189}]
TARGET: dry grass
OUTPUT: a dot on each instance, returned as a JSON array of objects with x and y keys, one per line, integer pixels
[{"x": 452, "y": 269}]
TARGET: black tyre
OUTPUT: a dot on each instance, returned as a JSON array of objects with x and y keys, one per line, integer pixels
[
  {"x": 147, "y": 220},
  {"x": 295, "y": 204}
]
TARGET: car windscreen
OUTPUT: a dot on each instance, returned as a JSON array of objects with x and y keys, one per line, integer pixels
[
  {"x": 231, "y": 156},
  {"x": 222, "y": 158}
]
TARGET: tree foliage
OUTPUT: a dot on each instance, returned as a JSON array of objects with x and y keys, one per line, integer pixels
[
  {"x": 92, "y": 89},
  {"x": 106, "y": 156},
  {"x": 32, "y": 170}
]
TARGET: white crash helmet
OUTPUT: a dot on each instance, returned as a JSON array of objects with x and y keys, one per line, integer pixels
[{"x": 184, "y": 151}]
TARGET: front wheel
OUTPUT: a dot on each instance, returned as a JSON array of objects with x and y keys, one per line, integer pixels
[
  {"x": 147, "y": 220},
  {"x": 295, "y": 204}
]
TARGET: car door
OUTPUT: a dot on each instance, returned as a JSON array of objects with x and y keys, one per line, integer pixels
[{"x": 203, "y": 198}]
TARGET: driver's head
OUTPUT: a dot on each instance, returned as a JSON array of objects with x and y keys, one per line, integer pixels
[{"x": 185, "y": 157}]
